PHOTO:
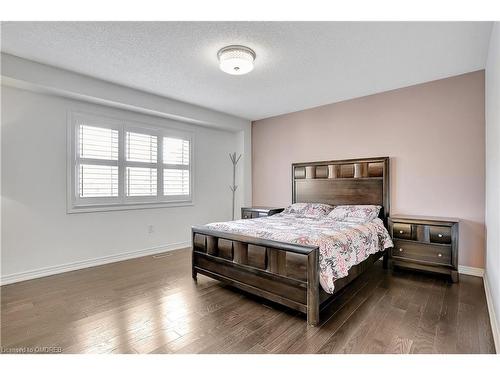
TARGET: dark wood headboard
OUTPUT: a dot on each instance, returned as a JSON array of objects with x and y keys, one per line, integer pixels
[{"x": 339, "y": 182}]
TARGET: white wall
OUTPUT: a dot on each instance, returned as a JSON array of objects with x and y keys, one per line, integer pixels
[
  {"x": 493, "y": 178},
  {"x": 36, "y": 230}
]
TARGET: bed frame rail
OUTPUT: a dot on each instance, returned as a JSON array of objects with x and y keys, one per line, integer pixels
[{"x": 225, "y": 257}]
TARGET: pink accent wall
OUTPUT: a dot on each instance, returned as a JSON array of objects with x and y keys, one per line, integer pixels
[{"x": 433, "y": 132}]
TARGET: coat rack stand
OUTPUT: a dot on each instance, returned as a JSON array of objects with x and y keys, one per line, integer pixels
[{"x": 233, "y": 187}]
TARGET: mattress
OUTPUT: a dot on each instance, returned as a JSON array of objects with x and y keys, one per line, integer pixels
[{"x": 341, "y": 244}]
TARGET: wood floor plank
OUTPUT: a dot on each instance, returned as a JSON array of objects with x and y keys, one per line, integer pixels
[
  {"x": 425, "y": 335},
  {"x": 338, "y": 340},
  {"x": 151, "y": 305},
  {"x": 399, "y": 345},
  {"x": 336, "y": 315},
  {"x": 447, "y": 327}
]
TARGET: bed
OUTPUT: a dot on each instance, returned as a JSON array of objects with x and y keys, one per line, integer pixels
[{"x": 302, "y": 261}]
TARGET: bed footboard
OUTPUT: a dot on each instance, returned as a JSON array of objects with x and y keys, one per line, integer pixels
[{"x": 260, "y": 267}]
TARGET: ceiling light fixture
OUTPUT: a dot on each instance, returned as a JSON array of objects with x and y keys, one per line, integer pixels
[{"x": 236, "y": 60}]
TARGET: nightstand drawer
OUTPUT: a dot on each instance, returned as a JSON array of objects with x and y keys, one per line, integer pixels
[
  {"x": 401, "y": 230},
  {"x": 256, "y": 212},
  {"x": 422, "y": 252},
  {"x": 440, "y": 234}
]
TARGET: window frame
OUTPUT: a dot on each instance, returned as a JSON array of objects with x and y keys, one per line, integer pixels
[{"x": 75, "y": 203}]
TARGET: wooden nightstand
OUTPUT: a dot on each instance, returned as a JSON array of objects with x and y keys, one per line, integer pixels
[
  {"x": 425, "y": 243},
  {"x": 258, "y": 211}
]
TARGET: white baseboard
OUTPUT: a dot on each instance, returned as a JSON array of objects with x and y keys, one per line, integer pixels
[
  {"x": 472, "y": 271},
  {"x": 495, "y": 324},
  {"x": 53, "y": 270}
]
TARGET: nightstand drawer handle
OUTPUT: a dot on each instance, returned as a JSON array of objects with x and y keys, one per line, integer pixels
[
  {"x": 440, "y": 235},
  {"x": 400, "y": 249},
  {"x": 401, "y": 231},
  {"x": 440, "y": 255}
]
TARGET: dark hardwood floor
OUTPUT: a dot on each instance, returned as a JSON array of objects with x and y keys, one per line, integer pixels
[{"x": 151, "y": 305}]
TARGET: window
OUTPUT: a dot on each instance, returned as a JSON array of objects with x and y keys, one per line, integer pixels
[
  {"x": 141, "y": 151},
  {"x": 118, "y": 165},
  {"x": 175, "y": 166}
]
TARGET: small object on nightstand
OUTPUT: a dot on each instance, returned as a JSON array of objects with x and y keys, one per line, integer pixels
[
  {"x": 258, "y": 211},
  {"x": 425, "y": 243}
]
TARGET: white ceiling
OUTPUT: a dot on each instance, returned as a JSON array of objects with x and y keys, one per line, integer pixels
[{"x": 299, "y": 64}]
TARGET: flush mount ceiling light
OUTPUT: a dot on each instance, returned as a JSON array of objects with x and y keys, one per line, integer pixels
[{"x": 236, "y": 60}]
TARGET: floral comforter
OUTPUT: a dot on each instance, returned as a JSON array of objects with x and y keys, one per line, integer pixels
[{"x": 341, "y": 244}]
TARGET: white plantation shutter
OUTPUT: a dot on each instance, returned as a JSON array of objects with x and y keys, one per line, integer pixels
[
  {"x": 175, "y": 151},
  {"x": 176, "y": 182},
  {"x": 141, "y": 147},
  {"x": 176, "y": 176},
  {"x": 98, "y": 181},
  {"x": 98, "y": 167},
  {"x": 141, "y": 181},
  {"x": 116, "y": 164},
  {"x": 141, "y": 178},
  {"x": 98, "y": 143}
]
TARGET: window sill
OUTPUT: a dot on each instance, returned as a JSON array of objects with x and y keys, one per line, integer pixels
[{"x": 126, "y": 207}]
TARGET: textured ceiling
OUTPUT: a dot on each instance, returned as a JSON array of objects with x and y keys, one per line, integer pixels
[{"x": 299, "y": 64}]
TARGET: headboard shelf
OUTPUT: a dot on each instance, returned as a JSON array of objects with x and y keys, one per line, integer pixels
[{"x": 340, "y": 182}]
